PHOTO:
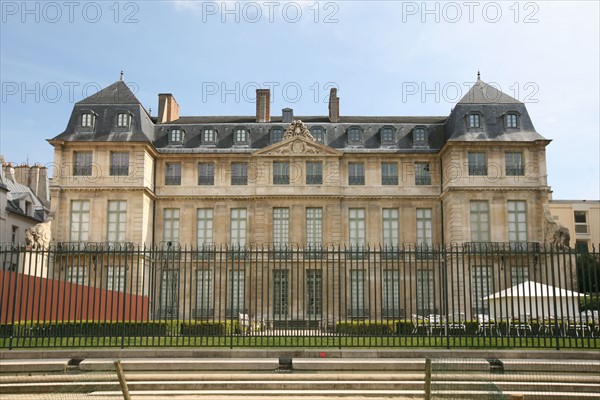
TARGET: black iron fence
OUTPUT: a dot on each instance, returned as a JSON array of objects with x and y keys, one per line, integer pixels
[{"x": 468, "y": 295}]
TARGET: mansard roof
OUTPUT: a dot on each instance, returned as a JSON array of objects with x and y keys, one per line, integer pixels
[
  {"x": 484, "y": 93},
  {"x": 490, "y": 103},
  {"x": 117, "y": 93}
]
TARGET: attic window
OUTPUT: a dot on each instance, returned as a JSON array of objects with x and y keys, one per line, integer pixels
[
  {"x": 276, "y": 135},
  {"x": 510, "y": 120},
  {"x": 355, "y": 135},
  {"x": 123, "y": 120},
  {"x": 388, "y": 135},
  {"x": 474, "y": 121},
  {"x": 420, "y": 136},
  {"x": 318, "y": 133},
  {"x": 209, "y": 136},
  {"x": 240, "y": 136},
  {"x": 176, "y": 136},
  {"x": 88, "y": 120}
]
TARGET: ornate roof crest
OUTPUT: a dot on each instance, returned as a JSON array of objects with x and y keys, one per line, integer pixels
[{"x": 297, "y": 128}]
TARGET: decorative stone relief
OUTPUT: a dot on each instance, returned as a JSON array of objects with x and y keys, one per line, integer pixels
[
  {"x": 38, "y": 236},
  {"x": 297, "y": 128},
  {"x": 555, "y": 233}
]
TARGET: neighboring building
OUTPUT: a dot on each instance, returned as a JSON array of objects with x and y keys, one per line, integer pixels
[
  {"x": 582, "y": 218},
  {"x": 476, "y": 175},
  {"x": 21, "y": 207}
]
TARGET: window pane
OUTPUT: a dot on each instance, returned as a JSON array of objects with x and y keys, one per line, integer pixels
[
  {"x": 477, "y": 164},
  {"x": 389, "y": 173},
  {"x": 314, "y": 172},
  {"x": 357, "y": 294},
  {"x": 238, "y": 227},
  {"x": 117, "y": 220},
  {"x": 119, "y": 164},
  {"x": 281, "y": 173},
  {"x": 357, "y": 228},
  {"x": 424, "y": 227},
  {"x": 206, "y": 174},
  {"x": 356, "y": 174},
  {"x": 205, "y": 227},
  {"x": 171, "y": 225},
  {"x": 82, "y": 163},
  {"x": 514, "y": 164},
  {"x": 239, "y": 173},
  {"x": 173, "y": 174},
  {"x": 480, "y": 227},
  {"x": 80, "y": 219},
  {"x": 422, "y": 174},
  {"x": 314, "y": 228},
  {"x": 390, "y": 228},
  {"x": 517, "y": 221},
  {"x": 281, "y": 227}
]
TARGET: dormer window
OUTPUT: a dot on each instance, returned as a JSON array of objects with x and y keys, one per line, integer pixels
[
  {"x": 474, "y": 121},
  {"x": 276, "y": 134},
  {"x": 123, "y": 120},
  {"x": 355, "y": 135},
  {"x": 88, "y": 120},
  {"x": 510, "y": 120},
  {"x": 209, "y": 136},
  {"x": 176, "y": 136},
  {"x": 240, "y": 136},
  {"x": 388, "y": 135},
  {"x": 287, "y": 115},
  {"x": 420, "y": 137},
  {"x": 318, "y": 133}
]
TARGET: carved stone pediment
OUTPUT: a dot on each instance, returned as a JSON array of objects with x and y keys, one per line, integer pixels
[{"x": 298, "y": 146}]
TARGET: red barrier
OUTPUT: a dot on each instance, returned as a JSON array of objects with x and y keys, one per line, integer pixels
[{"x": 31, "y": 298}]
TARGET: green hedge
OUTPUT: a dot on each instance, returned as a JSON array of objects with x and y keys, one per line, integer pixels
[
  {"x": 206, "y": 328},
  {"x": 86, "y": 329},
  {"x": 589, "y": 302},
  {"x": 365, "y": 328}
]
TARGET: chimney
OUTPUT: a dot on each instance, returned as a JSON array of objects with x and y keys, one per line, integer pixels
[
  {"x": 9, "y": 172},
  {"x": 287, "y": 115},
  {"x": 39, "y": 183},
  {"x": 168, "y": 109},
  {"x": 334, "y": 106},
  {"x": 263, "y": 105}
]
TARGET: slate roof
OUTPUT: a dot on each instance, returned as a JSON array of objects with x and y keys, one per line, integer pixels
[
  {"x": 483, "y": 98},
  {"x": 483, "y": 93},
  {"x": 16, "y": 192}
]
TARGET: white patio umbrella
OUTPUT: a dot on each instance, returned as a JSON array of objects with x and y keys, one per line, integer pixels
[{"x": 536, "y": 299}]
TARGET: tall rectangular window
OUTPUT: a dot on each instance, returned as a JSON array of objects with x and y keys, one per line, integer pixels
[
  {"x": 169, "y": 294},
  {"x": 314, "y": 228},
  {"x": 119, "y": 163},
  {"x": 76, "y": 275},
  {"x": 480, "y": 221},
  {"x": 517, "y": 221},
  {"x": 170, "y": 226},
  {"x": 481, "y": 287},
  {"x": 115, "y": 279},
  {"x": 391, "y": 294},
  {"x": 173, "y": 174},
  {"x": 237, "y": 292},
  {"x": 314, "y": 172},
  {"x": 389, "y": 173},
  {"x": 204, "y": 300},
  {"x": 117, "y": 220},
  {"x": 390, "y": 228},
  {"x": 513, "y": 164},
  {"x": 422, "y": 174},
  {"x": 581, "y": 225},
  {"x": 424, "y": 228},
  {"x": 206, "y": 173},
  {"x": 356, "y": 173},
  {"x": 357, "y": 294},
  {"x": 356, "y": 227},
  {"x": 239, "y": 173},
  {"x": 82, "y": 163},
  {"x": 518, "y": 274},
  {"x": 425, "y": 292},
  {"x": 237, "y": 227},
  {"x": 314, "y": 293},
  {"x": 281, "y": 173},
  {"x": 281, "y": 228},
  {"x": 205, "y": 227},
  {"x": 80, "y": 220},
  {"x": 477, "y": 163},
  {"x": 280, "y": 293}
]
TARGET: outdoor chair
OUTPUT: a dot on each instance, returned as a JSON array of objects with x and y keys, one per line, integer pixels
[
  {"x": 548, "y": 326},
  {"x": 418, "y": 322},
  {"x": 457, "y": 323},
  {"x": 486, "y": 324},
  {"x": 520, "y": 324},
  {"x": 577, "y": 325},
  {"x": 434, "y": 323}
]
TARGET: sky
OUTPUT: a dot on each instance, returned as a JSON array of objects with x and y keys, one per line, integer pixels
[{"x": 400, "y": 58}]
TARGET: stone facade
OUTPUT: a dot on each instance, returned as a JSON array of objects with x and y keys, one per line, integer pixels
[{"x": 477, "y": 175}]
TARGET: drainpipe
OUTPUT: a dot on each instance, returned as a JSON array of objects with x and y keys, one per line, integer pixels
[{"x": 441, "y": 200}]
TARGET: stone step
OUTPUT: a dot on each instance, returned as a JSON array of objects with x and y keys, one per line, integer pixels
[
  {"x": 278, "y": 394},
  {"x": 528, "y": 395},
  {"x": 47, "y": 365},
  {"x": 540, "y": 366},
  {"x": 357, "y": 364},
  {"x": 544, "y": 386},
  {"x": 182, "y": 364}
]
